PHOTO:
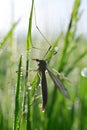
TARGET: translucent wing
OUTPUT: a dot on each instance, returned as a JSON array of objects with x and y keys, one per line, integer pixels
[{"x": 59, "y": 85}]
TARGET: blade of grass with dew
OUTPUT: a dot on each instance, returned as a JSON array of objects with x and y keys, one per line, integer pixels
[
  {"x": 74, "y": 47},
  {"x": 8, "y": 35},
  {"x": 75, "y": 62},
  {"x": 68, "y": 39},
  {"x": 28, "y": 47},
  {"x": 17, "y": 97},
  {"x": 70, "y": 33}
]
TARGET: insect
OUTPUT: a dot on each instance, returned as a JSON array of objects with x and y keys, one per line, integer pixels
[{"x": 42, "y": 67}]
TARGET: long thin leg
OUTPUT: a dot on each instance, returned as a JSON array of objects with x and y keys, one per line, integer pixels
[
  {"x": 41, "y": 33},
  {"x": 39, "y": 28}
]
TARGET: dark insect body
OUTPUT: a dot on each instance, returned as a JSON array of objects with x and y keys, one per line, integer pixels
[{"x": 42, "y": 68}]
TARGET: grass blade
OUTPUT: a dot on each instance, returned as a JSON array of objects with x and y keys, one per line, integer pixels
[
  {"x": 29, "y": 39},
  {"x": 35, "y": 83},
  {"x": 28, "y": 47},
  {"x": 70, "y": 32},
  {"x": 17, "y": 97},
  {"x": 8, "y": 35},
  {"x": 75, "y": 62}
]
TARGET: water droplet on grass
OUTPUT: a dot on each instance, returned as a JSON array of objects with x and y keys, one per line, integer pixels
[
  {"x": 43, "y": 110},
  {"x": 84, "y": 72},
  {"x": 56, "y": 50},
  {"x": 26, "y": 110},
  {"x": 39, "y": 85},
  {"x": 29, "y": 88},
  {"x": 21, "y": 74}
]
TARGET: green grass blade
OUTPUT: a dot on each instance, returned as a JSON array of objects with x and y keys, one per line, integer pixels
[
  {"x": 29, "y": 39},
  {"x": 28, "y": 47},
  {"x": 70, "y": 32},
  {"x": 9, "y": 34},
  {"x": 17, "y": 96},
  {"x": 73, "y": 47},
  {"x": 77, "y": 60},
  {"x": 27, "y": 97},
  {"x": 35, "y": 83}
]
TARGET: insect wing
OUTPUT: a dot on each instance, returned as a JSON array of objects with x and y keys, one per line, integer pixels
[
  {"x": 58, "y": 83},
  {"x": 44, "y": 89}
]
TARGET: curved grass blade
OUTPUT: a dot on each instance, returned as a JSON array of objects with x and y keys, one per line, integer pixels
[
  {"x": 75, "y": 62},
  {"x": 9, "y": 34},
  {"x": 17, "y": 97}
]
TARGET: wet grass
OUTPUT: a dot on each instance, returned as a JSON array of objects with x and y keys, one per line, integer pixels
[{"x": 20, "y": 92}]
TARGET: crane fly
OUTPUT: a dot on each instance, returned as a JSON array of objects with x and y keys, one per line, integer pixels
[{"x": 42, "y": 67}]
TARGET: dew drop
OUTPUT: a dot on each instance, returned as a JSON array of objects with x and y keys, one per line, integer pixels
[
  {"x": 46, "y": 71},
  {"x": 29, "y": 88},
  {"x": 26, "y": 109},
  {"x": 39, "y": 85},
  {"x": 84, "y": 72},
  {"x": 56, "y": 50},
  {"x": 21, "y": 67},
  {"x": 43, "y": 111},
  {"x": 21, "y": 74}
]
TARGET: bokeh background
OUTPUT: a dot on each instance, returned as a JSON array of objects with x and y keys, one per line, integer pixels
[{"x": 12, "y": 10}]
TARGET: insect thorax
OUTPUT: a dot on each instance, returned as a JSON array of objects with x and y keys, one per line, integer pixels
[{"x": 42, "y": 65}]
